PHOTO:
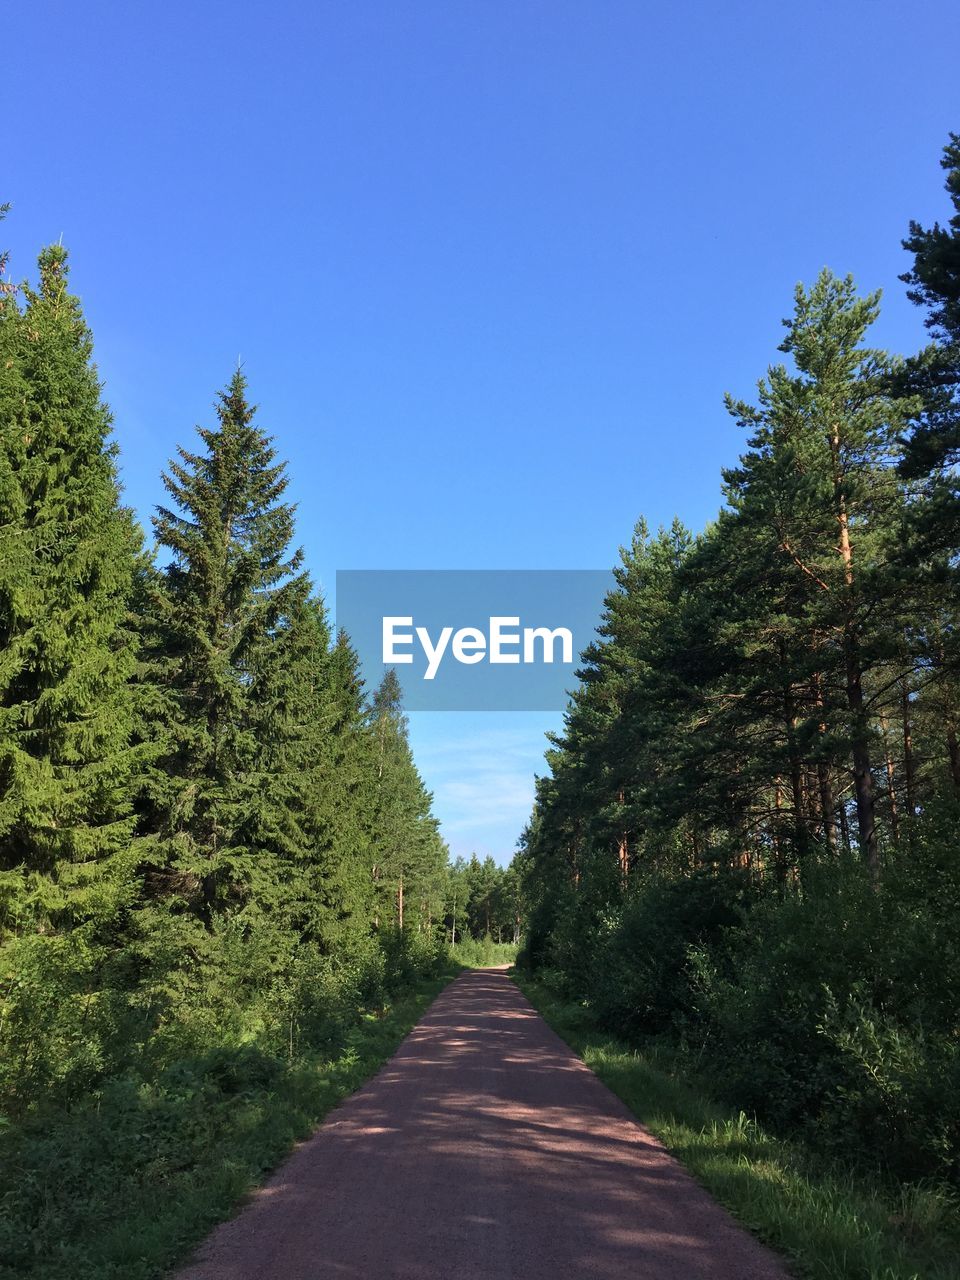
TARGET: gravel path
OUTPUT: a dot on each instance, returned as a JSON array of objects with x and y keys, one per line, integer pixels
[{"x": 484, "y": 1150}]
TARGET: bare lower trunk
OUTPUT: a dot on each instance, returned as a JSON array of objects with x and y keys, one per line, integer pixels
[
  {"x": 950, "y": 721},
  {"x": 824, "y": 783},
  {"x": 862, "y": 776},
  {"x": 844, "y": 826},
  {"x": 891, "y": 781},
  {"x": 909, "y": 765},
  {"x": 953, "y": 754},
  {"x": 623, "y": 846},
  {"x": 827, "y": 806},
  {"x": 860, "y": 739},
  {"x": 796, "y": 765},
  {"x": 778, "y": 858}
]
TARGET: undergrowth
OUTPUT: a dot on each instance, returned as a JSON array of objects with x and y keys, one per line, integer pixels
[{"x": 123, "y": 1185}]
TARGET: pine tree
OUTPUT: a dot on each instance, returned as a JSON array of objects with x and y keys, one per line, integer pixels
[
  {"x": 829, "y": 431},
  {"x": 934, "y": 278},
  {"x": 933, "y": 447},
  {"x": 5, "y": 286}
]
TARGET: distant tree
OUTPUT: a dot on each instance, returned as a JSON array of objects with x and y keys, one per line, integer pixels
[
  {"x": 338, "y": 796},
  {"x": 456, "y": 900},
  {"x": 408, "y": 853}
]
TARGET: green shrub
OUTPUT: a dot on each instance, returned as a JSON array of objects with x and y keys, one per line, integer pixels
[
  {"x": 480, "y": 953},
  {"x": 822, "y": 1007},
  {"x": 641, "y": 976}
]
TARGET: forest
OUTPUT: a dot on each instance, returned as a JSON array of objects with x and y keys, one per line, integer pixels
[
  {"x": 224, "y": 896},
  {"x": 745, "y": 847},
  {"x": 217, "y": 856}
]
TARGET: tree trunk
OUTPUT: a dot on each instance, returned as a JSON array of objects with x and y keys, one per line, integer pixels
[
  {"x": 623, "y": 847},
  {"x": 778, "y": 858},
  {"x": 950, "y": 722},
  {"x": 891, "y": 781},
  {"x": 844, "y": 826},
  {"x": 909, "y": 765},
  {"x": 953, "y": 754},
  {"x": 862, "y": 777},
  {"x": 859, "y": 728},
  {"x": 825, "y": 785},
  {"x": 827, "y": 806}
]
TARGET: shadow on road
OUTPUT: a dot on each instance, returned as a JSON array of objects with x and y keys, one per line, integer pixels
[{"x": 484, "y": 1150}]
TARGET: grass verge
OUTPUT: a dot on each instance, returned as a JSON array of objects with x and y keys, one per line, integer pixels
[
  {"x": 828, "y": 1223},
  {"x": 124, "y": 1187}
]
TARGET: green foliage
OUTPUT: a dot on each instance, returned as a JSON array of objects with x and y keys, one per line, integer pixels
[
  {"x": 482, "y": 953},
  {"x": 122, "y": 1185},
  {"x": 828, "y": 1012},
  {"x": 932, "y": 448},
  {"x": 481, "y": 899},
  {"x": 409, "y": 857},
  {"x": 223, "y": 609},
  {"x": 642, "y": 982},
  {"x": 934, "y": 278}
]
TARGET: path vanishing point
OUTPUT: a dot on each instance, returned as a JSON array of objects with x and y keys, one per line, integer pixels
[{"x": 483, "y": 1150}]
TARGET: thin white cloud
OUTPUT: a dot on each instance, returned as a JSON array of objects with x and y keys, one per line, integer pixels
[{"x": 481, "y": 775}]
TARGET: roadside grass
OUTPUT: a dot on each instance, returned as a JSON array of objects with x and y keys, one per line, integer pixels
[
  {"x": 828, "y": 1223},
  {"x": 125, "y": 1186}
]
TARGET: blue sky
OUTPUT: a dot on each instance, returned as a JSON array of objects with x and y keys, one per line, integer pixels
[{"x": 489, "y": 266}]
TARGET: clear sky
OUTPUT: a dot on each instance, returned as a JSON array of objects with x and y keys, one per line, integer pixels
[{"x": 489, "y": 266}]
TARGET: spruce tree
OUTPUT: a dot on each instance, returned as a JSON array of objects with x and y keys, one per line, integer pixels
[
  {"x": 323, "y": 759},
  {"x": 67, "y": 552},
  {"x": 231, "y": 584},
  {"x": 342, "y": 798},
  {"x": 408, "y": 853}
]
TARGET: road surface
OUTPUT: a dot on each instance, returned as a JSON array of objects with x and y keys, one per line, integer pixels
[{"x": 483, "y": 1150}]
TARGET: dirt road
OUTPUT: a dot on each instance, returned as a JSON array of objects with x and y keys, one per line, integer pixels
[{"x": 484, "y": 1150}]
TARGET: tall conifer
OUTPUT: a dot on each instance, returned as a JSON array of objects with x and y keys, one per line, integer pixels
[
  {"x": 67, "y": 550},
  {"x": 231, "y": 584}
]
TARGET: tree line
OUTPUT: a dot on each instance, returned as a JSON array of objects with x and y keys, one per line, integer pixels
[
  {"x": 483, "y": 900},
  {"x": 746, "y": 840},
  {"x": 209, "y": 834}
]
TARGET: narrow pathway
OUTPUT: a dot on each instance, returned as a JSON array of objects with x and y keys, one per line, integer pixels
[{"x": 484, "y": 1150}]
